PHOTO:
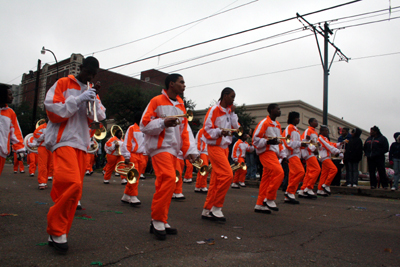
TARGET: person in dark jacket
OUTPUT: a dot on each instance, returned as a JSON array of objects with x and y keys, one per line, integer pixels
[
  {"x": 375, "y": 148},
  {"x": 394, "y": 159},
  {"x": 353, "y": 155}
]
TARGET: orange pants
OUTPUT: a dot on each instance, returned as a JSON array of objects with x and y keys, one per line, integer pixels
[
  {"x": 32, "y": 161},
  {"x": 180, "y": 164},
  {"x": 164, "y": 165},
  {"x": 296, "y": 174},
  {"x": 201, "y": 180},
  {"x": 272, "y": 176},
  {"x": 18, "y": 163},
  {"x": 328, "y": 173},
  {"x": 223, "y": 177},
  {"x": 240, "y": 174},
  {"x": 312, "y": 173},
  {"x": 189, "y": 170},
  {"x": 89, "y": 162},
  {"x": 110, "y": 166},
  {"x": 45, "y": 164},
  {"x": 69, "y": 171},
  {"x": 2, "y": 162},
  {"x": 140, "y": 162}
]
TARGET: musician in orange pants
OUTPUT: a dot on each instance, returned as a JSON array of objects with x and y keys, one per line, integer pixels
[
  {"x": 270, "y": 152},
  {"x": 309, "y": 153},
  {"x": 33, "y": 162},
  {"x": 329, "y": 169},
  {"x": 67, "y": 136},
  {"x": 188, "y": 172},
  {"x": 11, "y": 132},
  {"x": 18, "y": 164},
  {"x": 239, "y": 155},
  {"x": 165, "y": 137},
  {"x": 113, "y": 151},
  {"x": 45, "y": 158},
  {"x": 217, "y": 135},
  {"x": 201, "y": 180},
  {"x": 180, "y": 164},
  {"x": 90, "y": 157}
]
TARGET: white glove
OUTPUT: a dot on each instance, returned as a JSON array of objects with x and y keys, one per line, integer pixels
[
  {"x": 341, "y": 155},
  {"x": 88, "y": 95}
]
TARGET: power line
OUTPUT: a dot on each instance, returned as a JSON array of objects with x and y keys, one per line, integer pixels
[
  {"x": 366, "y": 23},
  {"x": 147, "y": 37},
  {"x": 229, "y": 35}
]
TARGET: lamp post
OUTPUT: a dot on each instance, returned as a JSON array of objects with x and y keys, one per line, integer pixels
[{"x": 43, "y": 51}]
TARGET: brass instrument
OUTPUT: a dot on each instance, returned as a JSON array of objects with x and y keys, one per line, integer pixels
[
  {"x": 94, "y": 147},
  {"x": 40, "y": 122},
  {"x": 188, "y": 115},
  {"x": 238, "y": 130},
  {"x": 33, "y": 149},
  {"x": 128, "y": 170},
  {"x": 113, "y": 130},
  {"x": 287, "y": 138},
  {"x": 177, "y": 175},
  {"x": 95, "y": 124},
  {"x": 100, "y": 133},
  {"x": 237, "y": 166},
  {"x": 203, "y": 169}
]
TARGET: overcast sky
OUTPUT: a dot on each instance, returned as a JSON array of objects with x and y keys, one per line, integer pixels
[{"x": 363, "y": 91}]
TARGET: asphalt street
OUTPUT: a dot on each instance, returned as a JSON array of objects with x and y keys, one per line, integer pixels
[{"x": 340, "y": 230}]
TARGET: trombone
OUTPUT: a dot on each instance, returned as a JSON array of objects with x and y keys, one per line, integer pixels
[
  {"x": 128, "y": 170},
  {"x": 203, "y": 169},
  {"x": 188, "y": 115},
  {"x": 95, "y": 124},
  {"x": 237, "y": 166},
  {"x": 238, "y": 130}
]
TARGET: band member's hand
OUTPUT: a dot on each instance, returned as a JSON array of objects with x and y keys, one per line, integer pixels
[
  {"x": 226, "y": 133},
  {"x": 315, "y": 152},
  {"x": 88, "y": 95},
  {"x": 170, "y": 122},
  {"x": 273, "y": 141},
  {"x": 127, "y": 161},
  {"x": 116, "y": 143},
  {"x": 192, "y": 158},
  {"x": 337, "y": 155}
]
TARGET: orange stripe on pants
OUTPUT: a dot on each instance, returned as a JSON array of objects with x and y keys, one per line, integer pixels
[
  {"x": 89, "y": 162},
  {"x": 18, "y": 163},
  {"x": 201, "y": 180},
  {"x": 328, "y": 173},
  {"x": 272, "y": 176},
  {"x": 140, "y": 162},
  {"x": 180, "y": 164},
  {"x": 66, "y": 190},
  {"x": 164, "y": 167},
  {"x": 296, "y": 174},
  {"x": 189, "y": 170},
  {"x": 33, "y": 161},
  {"x": 223, "y": 176},
  {"x": 240, "y": 174},
  {"x": 45, "y": 164},
  {"x": 110, "y": 166},
  {"x": 312, "y": 173},
  {"x": 2, "y": 162}
]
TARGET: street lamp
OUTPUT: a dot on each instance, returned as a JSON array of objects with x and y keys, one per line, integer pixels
[{"x": 44, "y": 52}]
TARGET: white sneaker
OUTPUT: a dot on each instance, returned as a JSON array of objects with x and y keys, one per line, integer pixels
[
  {"x": 178, "y": 196},
  {"x": 354, "y": 185},
  {"x": 59, "y": 239},
  {"x": 126, "y": 198},
  {"x": 242, "y": 184},
  {"x": 289, "y": 195},
  {"x": 87, "y": 173},
  {"x": 134, "y": 201},
  {"x": 79, "y": 207},
  {"x": 31, "y": 174},
  {"x": 309, "y": 192},
  {"x": 235, "y": 185},
  {"x": 103, "y": 172},
  {"x": 117, "y": 174},
  {"x": 50, "y": 178},
  {"x": 197, "y": 189},
  {"x": 159, "y": 225},
  {"x": 393, "y": 188},
  {"x": 322, "y": 193},
  {"x": 217, "y": 212},
  {"x": 262, "y": 209},
  {"x": 124, "y": 181},
  {"x": 142, "y": 176},
  {"x": 349, "y": 185},
  {"x": 22, "y": 171},
  {"x": 270, "y": 203},
  {"x": 106, "y": 181},
  {"x": 301, "y": 194},
  {"x": 204, "y": 189},
  {"x": 187, "y": 180},
  {"x": 326, "y": 188}
]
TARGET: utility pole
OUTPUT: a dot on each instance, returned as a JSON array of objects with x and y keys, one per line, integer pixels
[
  {"x": 325, "y": 32},
  {"x": 36, "y": 95}
]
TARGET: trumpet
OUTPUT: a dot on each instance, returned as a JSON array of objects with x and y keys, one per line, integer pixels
[
  {"x": 238, "y": 130},
  {"x": 128, "y": 170},
  {"x": 94, "y": 147},
  {"x": 237, "y": 166},
  {"x": 95, "y": 124},
  {"x": 33, "y": 149},
  {"x": 188, "y": 115},
  {"x": 281, "y": 138},
  {"x": 203, "y": 169}
]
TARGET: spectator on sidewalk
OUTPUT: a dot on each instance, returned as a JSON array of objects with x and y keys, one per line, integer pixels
[
  {"x": 353, "y": 156},
  {"x": 394, "y": 159}
]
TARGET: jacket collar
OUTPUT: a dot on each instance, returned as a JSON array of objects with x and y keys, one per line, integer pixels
[
  {"x": 178, "y": 98},
  {"x": 225, "y": 110},
  {"x": 4, "y": 108}
]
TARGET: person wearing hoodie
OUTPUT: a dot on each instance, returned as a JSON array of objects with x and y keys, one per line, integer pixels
[
  {"x": 352, "y": 156},
  {"x": 375, "y": 148},
  {"x": 394, "y": 159}
]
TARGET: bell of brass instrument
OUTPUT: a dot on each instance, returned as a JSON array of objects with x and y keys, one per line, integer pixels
[
  {"x": 94, "y": 147},
  {"x": 177, "y": 175},
  {"x": 203, "y": 169},
  {"x": 95, "y": 124},
  {"x": 238, "y": 130},
  {"x": 237, "y": 166},
  {"x": 128, "y": 170},
  {"x": 40, "y": 122},
  {"x": 33, "y": 149}
]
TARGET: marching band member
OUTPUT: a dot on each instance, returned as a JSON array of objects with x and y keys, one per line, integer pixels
[
  {"x": 329, "y": 169},
  {"x": 219, "y": 119},
  {"x": 296, "y": 169},
  {"x": 239, "y": 157},
  {"x": 180, "y": 164},
  {"x": 134, "y": 151},
  {"x": 201, "y": 180},
  {"x": 32, "y": 156},
  {"x": 67, "y": 136},
  {"x": 113, "y": 150},
  {"x": 90, "y": 157},
  {"x": 18, "y": 163},
  {"x": 309, "y": 154},
  {"x": 164, "y": 138},
  {"x": 45, "y": 158},
  {"x": 188, "y": 172},
  {"x": 10, "y": 130},
  {"x": 269, "y": 150}
]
